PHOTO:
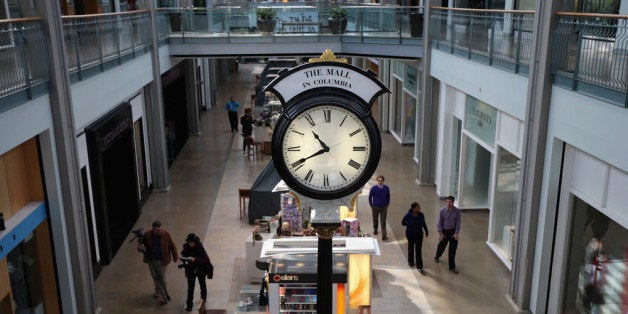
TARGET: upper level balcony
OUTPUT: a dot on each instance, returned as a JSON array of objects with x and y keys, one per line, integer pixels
[{"x": 589, "y": 50}]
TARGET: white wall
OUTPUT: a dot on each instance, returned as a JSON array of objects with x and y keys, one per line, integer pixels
[
  {"x": 97, "y": 95},
  {"x": 23, "y": 122},
  {"x": 501, "y": 89},
  {"x": 595, "y": 127}
]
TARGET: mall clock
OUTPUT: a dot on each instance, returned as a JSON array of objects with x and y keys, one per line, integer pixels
[{"x": 326, "y": 146}]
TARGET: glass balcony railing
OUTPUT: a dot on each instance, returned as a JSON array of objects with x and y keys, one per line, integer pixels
[
  {"x": 590, "y": 55},
  {"x": 499, "y": 38},
  {"x": 302, "y": 23},
  {"x": 23, "y": 60},
  {"x": 96, "y": 42},
  {"x": 589, "y": 52}
]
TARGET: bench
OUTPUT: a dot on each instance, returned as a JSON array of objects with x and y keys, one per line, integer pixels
[{"x": 300, "y": 27}]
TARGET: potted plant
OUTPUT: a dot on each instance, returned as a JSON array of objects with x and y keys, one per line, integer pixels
[
  {"x": 265, "y": 19},
  {"x": 337, "y": 20}
]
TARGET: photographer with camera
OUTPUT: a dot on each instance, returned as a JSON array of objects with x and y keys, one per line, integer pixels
[
  {"x": 197, "y": 265},
  {"x": 158, "y": 249}
]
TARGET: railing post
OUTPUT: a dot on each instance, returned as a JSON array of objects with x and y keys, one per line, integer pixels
[
  {"x": 469, "y": 34},
  {"x": 100, "y": 47},
  {"x": 574, "y": 83},
  {"x": 77, "y": 53},
  {"x": 27, "y": 75},
  {"x": 132, "y": 19},
  {"x": 518, "y": 50},
  {"x": 452, "y": 31},
  {"x": 491, "y": 43}
]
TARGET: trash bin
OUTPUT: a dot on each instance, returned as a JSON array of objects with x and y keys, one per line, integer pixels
[{"x": 416, "y": 24}]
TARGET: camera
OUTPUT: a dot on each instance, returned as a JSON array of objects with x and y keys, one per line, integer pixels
[{"x": 184, "y": 264}]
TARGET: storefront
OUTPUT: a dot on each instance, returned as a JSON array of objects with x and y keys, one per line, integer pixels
[
  {"x": 404, "y": 84},
  {"x": 27, "y": 270},
  {"x": 590, "y": 265},
  {"x": 480, "y": 163}
]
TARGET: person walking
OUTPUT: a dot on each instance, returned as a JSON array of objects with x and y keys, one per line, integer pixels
[
  {"x": 159, "y": 250},
  {"x": 448, "y": 226},
  {"x": 247, "y": 129},
  {"x": 379, "y": 198},
  {"x": 196, "y": 263},
  {"x": 232, "y": 110},
  {"x": 414, "y": 220}
]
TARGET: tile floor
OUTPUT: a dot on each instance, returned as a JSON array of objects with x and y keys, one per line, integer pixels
[{"x": 203, "y": 198}]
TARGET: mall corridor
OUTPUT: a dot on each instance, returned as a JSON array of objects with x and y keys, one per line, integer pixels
[{"x": 203, "y": 198}]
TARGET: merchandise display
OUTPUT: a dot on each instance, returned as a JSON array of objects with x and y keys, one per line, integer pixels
[{"x": 291, "y": 214}]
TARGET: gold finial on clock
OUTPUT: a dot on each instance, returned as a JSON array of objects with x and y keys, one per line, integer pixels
[{"x": 328, "y": 55}]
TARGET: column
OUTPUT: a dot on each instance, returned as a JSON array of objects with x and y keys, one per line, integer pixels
[{"x": 155, "y": 114}]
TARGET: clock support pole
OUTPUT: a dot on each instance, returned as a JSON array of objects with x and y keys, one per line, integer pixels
[{"x": 326, "y": 222}]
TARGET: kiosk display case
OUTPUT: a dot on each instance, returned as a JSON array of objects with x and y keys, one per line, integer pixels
[
  {"x": 292, "y": 283},
  {"x": 293, "y": 267}
]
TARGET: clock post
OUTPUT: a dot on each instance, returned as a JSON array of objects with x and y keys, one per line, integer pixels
[
  {"x": 326, "y": 145},
  {"x": 325, "y": 223}
]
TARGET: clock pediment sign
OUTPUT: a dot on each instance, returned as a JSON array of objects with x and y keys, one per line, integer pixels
[{"x": 327, "y": 72}]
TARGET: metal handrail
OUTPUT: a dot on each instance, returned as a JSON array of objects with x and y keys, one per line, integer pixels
[
  {"x": 24, "y": 57},
  {"x": 500, "y": 38},
  {"x": 589, "y": 55},
  {"x": 96, "y": 42}
]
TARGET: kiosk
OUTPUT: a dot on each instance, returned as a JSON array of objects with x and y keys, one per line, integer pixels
[{"x": 293, "y": 273}]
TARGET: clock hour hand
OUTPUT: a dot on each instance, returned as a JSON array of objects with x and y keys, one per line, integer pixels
[
  {"x": 323, "y": 145},
  {"x": 302, "y": 160}
]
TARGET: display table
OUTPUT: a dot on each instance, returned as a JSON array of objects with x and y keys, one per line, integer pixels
[{"x": 253, "y": 251}]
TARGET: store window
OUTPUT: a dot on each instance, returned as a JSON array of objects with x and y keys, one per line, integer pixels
[
  {"x": 456, "y": 136},
  {"x": 506, "y": 194},
  {"x": 597, "y": 260},
  {"x": 477, "y": 175},
  {"x": 398, "y": 105},
  {"x": 410, "y": 118}
]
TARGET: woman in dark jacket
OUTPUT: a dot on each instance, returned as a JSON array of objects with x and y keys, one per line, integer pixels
[
  {"x": 414, "y": 220},
  {"x": 197, "y": 261}
]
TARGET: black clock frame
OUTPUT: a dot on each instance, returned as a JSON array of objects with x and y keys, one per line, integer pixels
[{"x": 320, "y": 97}]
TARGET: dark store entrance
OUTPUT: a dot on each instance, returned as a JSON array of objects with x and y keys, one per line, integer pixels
[
  {"x": 175, "y": 111},
  {"x": 113, "y": 173}
]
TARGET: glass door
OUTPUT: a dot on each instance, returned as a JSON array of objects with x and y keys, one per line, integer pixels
[
  {"x": 455, "y": 155},
  {"x": 476, "y": 175},
  {"x": 506, "y": 194}
]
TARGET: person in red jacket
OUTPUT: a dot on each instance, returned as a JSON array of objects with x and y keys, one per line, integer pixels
[{"x": 159, "y": 250}]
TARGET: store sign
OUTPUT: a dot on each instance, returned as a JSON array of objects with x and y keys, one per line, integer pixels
[
  {"x": 326, "y": 75},
  {"x": 481, "y": 119},
  {"x": 304, "y": 278},
  {"x": 410, "y": 81}
]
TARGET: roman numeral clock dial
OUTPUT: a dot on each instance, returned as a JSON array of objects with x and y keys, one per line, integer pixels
[{"x": 326, "y": 151}]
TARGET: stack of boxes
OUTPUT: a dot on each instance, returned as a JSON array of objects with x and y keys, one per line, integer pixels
[
  {"x": 350, "y": 227},
  {"x": 291, "y": 213}
]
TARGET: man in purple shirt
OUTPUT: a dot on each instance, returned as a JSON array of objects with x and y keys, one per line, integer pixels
[
  {"x": 379, "y": 198},
  {"x": 448, "y": 226}
]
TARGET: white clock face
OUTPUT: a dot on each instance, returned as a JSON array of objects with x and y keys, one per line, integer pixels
[{"x": 326, "y": 148}]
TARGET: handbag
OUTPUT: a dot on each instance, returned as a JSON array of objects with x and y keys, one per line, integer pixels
[{"x": 210, "y": 270}]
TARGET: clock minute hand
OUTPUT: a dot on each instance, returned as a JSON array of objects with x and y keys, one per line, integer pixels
[
  {"x": 302, "y": 160},
  {"x": 320, "y": 141}
]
